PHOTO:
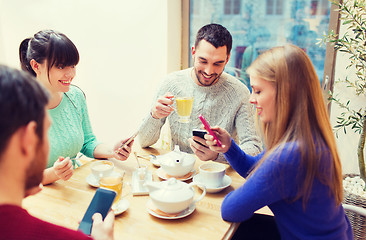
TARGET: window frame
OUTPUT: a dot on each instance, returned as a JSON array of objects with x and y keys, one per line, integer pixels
[{"x": 330, "y": 57}]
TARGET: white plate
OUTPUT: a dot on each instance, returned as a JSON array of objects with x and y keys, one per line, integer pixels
[
  {"x": 225, "y": 183},
  {"x": 121, "y": 206},
  {"x": 92, "y": 181},
  {"x": 161, "y": 174},
  {"x": 183, "y": 214}
]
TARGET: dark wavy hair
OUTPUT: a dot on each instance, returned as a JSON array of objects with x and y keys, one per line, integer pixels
[
  {"x": 215, "y": 34},
  {"x": 54, "y": 47},
  {"x": 22, "y": 100}
]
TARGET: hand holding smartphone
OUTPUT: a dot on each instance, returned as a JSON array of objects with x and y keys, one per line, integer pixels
[
  {"x": 208, "y": 129},
  {"x": 130, "y": 139},
  {"x": 101, "y": 203}
]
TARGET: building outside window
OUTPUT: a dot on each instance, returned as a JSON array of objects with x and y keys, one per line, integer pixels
[
  {"x": 260, "y": 25},
  {"x": 232, "y": 7},
  {"x": 274, "y": 7}
]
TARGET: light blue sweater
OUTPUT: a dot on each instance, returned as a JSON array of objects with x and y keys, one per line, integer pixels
[
  {"x": 275, "y": 184},
  {"x": 70, "y": 131}
]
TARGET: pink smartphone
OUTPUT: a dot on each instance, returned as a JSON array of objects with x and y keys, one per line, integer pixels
[{"x": 208, "y": 129}]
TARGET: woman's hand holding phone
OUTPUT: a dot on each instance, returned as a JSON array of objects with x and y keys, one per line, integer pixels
[
  {"x": 223, "y": 136},
  {"x": 123, "y": 149}
]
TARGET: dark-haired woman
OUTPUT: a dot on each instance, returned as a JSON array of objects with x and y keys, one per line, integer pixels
[{"x": 51, "y": 57}]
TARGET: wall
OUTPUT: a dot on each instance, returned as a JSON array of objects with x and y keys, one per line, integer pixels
[
  {"x": 347, "y": 143},
  {"x": 124, "y": 46}
]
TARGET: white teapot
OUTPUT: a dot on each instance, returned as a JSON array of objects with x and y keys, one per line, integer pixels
[
  {"x": 177, "y": 163},
  {"x": 173, "y": 196}
]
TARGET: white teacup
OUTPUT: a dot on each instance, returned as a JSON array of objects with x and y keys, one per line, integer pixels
[
  {"x": 102, "y": 168},
  {"x": 212, "y": 174}
]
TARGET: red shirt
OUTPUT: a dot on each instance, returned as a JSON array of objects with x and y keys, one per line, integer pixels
[{"x": 16, "y": 223}]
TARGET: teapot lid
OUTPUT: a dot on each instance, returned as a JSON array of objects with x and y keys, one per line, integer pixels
[{"x": 173, "y": 190}]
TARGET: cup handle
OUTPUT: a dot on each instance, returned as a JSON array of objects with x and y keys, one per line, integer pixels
[{"x": 203, "y": 192}]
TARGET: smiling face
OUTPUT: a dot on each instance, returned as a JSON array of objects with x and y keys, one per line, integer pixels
[
  {"x": 208, "y": 63},
  {"x": 264, "y": 98},
  {"x": 58, "y": 79}
]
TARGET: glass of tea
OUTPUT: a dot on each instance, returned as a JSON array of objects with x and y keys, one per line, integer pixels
[
  {"x": 115, "y": 183},
  {"x": 184, "y": 108}
]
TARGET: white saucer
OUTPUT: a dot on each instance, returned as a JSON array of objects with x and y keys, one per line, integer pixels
[
  {"x": 225, "y": 183},
  {"x": 121, "y": 206},
  {"x": 155, "y": 161},
  {"x": 183, "y": 214},
  {"x": 92, "y": 181},
  {"x": 162, "y": 174}
]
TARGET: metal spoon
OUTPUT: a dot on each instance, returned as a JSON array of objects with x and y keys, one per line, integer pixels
[{"x": 147, "y": 157}]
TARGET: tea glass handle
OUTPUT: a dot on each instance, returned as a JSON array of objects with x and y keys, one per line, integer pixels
[{"x": 202, "y": 195}]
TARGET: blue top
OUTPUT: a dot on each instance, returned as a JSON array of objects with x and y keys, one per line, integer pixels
[
  {"x": 70, "y": 131},
  {"x": 275, "y": 184}
]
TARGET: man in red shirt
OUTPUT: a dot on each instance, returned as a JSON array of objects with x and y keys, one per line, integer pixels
[{"x": 24, "y": 147}]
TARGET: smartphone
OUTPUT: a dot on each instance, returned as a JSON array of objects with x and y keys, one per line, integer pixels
[
  {"x": 199, "y": 133},
  {"x": 208, "y": 129},
  {"x": 101, "y": 203},
  {"x": 130, "y": 139}
]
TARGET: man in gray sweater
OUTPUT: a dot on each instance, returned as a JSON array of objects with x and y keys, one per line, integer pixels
[{"x": 220, "y": 97}]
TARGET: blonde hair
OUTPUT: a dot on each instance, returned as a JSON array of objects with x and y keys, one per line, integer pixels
[{"x": 301, "y": 116}]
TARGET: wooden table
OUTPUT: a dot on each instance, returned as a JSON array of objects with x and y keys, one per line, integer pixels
[{"x": 64, "y": 203}]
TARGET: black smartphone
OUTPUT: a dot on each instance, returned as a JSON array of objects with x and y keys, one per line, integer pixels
[
  {"x": 199, "y": 133},
  {"x": 101, "y": 203}
]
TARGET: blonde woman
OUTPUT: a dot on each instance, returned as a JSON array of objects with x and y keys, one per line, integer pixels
[{"x": 299, "y": 174}]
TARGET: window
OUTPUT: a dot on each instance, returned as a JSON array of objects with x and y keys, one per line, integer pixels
[
  {"x": 319, "y": 7},
  {"x": 274, "y": 7},
  {"x": 196, "y": 9},
  {"x": 262, "y": 25},
  {"x": 232, "y": 7}
]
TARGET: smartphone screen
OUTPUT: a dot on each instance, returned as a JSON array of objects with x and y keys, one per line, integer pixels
[
  {"x": 208, "y": 129},
  {"x": 101, "y": 203},
  {"x": 199, "y": 133}
]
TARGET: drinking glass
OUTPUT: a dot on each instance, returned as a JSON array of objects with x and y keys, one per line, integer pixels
[
  {"x": 113, "y": 182},
  {"x": 184, "y": 108}
]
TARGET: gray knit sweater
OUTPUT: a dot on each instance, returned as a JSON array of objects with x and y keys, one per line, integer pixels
[{"x": 225, "y": 104}]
